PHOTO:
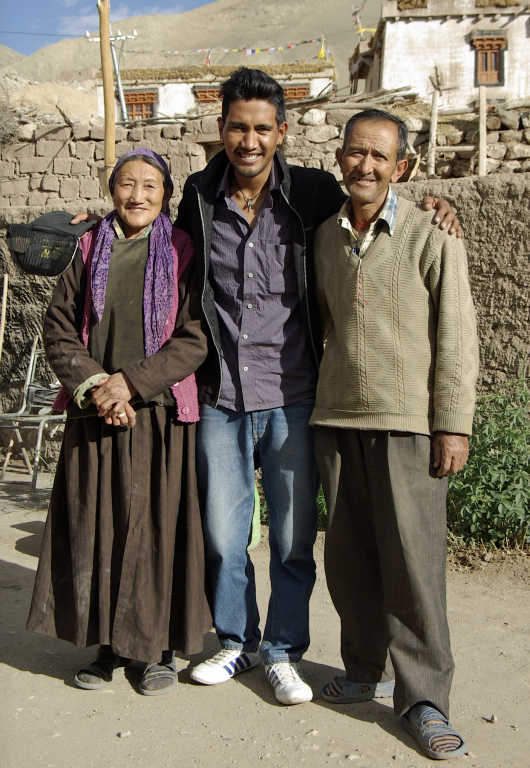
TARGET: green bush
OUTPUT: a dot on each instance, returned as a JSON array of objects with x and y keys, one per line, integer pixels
[{"x": 489, "y": 500}]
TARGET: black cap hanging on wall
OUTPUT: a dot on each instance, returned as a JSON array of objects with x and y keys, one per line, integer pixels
[{"x": 47, "y": 245}]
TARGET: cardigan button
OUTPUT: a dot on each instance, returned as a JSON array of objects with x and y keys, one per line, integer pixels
[{"x": 185, "y": 409}]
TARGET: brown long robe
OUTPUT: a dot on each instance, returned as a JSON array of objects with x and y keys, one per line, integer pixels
[{"x": 122, "y": 560}]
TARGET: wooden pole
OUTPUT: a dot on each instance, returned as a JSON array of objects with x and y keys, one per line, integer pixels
[
  {"x": 108, "y": 95},
  {"x": 3, "y": 315},
  {"x": 482, "y": 146},
  {"x": 431, "y": 155}
]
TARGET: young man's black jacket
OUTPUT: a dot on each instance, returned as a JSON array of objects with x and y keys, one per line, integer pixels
[{"x": 312, "y": 195}]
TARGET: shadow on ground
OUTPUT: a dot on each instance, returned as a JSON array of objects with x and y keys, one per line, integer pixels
[{"x": 30, "y": 545}]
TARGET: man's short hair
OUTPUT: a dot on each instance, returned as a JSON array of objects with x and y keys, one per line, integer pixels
[
  {"x": 377, "y": 116},
  {"x": 246, "y": 84}
]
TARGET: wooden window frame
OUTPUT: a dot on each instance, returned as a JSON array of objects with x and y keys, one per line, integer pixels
[
  {"x": 296, "y": 92},
  {"x": 488, "y": 45},
  {"x": 144, "y": 99},
  {"x": 207, "y": 94},
  {"x": 210, "y": 94}
]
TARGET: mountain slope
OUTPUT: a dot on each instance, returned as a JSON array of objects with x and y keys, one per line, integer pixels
[
  {"x": 8, "y": 56},
  {"x": 225, "y": 23}
]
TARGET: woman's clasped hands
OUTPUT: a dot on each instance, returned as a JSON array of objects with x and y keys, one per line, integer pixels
[{"x": 111, "y": 396}]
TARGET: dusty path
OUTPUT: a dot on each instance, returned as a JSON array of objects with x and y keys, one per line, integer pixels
[{"x": 46, "y": 721}]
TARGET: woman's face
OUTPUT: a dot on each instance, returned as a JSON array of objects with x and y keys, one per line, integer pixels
[{"x": 139, "y": 196}]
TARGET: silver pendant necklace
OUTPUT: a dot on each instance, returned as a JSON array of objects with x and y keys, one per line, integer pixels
[{"x": 248, "y": 200}]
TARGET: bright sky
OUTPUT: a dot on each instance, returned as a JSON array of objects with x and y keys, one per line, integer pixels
[{"x": 68, "y": 17}]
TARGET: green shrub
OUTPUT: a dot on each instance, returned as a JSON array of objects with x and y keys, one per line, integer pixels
[{"x": 489, "y": 500}]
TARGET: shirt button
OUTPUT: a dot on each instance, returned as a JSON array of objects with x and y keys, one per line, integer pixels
[
  {"x": 185, "y": 409},
  {"x": 251, "y": 245},
  {"x": 251, "y": 274},
  {"x": 245, "y": 368},
  {"x": 249, "y": 306},
  {"x": 245, "y": 336}
]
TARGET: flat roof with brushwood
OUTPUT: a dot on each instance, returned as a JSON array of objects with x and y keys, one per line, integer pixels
[
  {"x": 426, "y": 8},
  {"x": 498, "y": 4},
  {"x": 193, "y": 73},
  {"x": 410, "y": 5}
]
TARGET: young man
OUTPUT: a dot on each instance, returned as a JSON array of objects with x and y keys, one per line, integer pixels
[
  {"x": 394, "y": 405},
  {"x": 252, "y": 218}
]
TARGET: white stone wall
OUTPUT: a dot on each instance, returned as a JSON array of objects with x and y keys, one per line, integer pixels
[{"x": 412, "y": 49}]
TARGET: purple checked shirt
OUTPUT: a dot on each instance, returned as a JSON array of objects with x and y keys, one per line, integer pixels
[{"x": 267, "y": 358}]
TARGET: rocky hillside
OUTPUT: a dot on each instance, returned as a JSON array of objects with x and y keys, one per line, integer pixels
[
  {"x": 9, "y": 57},
  {"x": 225, "y": 23}
]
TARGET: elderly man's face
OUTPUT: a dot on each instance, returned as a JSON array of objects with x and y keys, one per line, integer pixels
[{"x": 369, "y": 160}]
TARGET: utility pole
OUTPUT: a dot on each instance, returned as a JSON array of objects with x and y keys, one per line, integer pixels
[
  {"x": 108, "y": 95},
  {"x": 108, "y": 59}
]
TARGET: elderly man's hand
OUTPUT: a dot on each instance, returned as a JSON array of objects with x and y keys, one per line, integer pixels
[
  {"x": 450, "y": 452},
  {"x": 79, "y": 217},
  {"x": 445, "y": 216}
]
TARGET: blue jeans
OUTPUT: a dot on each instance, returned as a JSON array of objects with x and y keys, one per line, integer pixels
[{"x": 226, "y": 444}]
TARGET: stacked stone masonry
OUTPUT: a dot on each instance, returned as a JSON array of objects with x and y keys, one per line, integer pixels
[{"x": 56, "y": 166}]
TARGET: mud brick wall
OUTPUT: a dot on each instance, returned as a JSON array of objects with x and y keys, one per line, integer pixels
[{"x": 495, "y": 212}]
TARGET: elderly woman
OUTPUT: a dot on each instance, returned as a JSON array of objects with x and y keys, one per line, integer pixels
[{"x": 122, "y": 558}]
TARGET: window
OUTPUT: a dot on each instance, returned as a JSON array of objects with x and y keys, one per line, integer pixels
[
  {"x": 209, "y": 95},
  {"x": 489, "y": 58},
  {"x": 140, "y": 104},
  {"x": 296, "y": 92},
  {"x": 206, "y": 95}
]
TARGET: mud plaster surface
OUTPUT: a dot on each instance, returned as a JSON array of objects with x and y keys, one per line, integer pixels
[{"x": 46, "y": 721}]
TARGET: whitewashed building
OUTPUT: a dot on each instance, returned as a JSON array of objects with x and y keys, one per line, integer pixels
[
  {"x": 182, "y": 91},
  {"x": 467, "y": 42}
]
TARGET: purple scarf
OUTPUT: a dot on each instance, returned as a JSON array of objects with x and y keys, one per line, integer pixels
[{"x": 158, "y": 284}]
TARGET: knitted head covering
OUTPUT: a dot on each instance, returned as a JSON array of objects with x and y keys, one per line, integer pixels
[
  {"x": 159, "y": 270},
  {"x": 148, "y": 156}
]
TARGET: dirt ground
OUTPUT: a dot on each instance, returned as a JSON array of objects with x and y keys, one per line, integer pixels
[{"x": 46, "y": 721}]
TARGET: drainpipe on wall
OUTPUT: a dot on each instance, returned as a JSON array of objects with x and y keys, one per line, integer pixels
[{"x": 123, "y": 106}]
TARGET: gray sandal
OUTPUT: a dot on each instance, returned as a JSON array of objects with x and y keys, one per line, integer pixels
[
  {"x": 353, "y": 693},
  {"x": 98, "y": 674},
  {"x": 160, "y": 678},
  {"x": 420, "y": 723}
]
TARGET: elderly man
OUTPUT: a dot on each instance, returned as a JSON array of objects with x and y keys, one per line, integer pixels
[{"x": 394, "y": 405}]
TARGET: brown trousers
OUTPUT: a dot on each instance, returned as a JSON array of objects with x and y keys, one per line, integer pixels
[{"x": 385, "y": 560}]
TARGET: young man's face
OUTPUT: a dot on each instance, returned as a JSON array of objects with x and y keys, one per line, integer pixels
[
  {"x": 369, "y": 160},
  {"x": 250, "y": 135}
]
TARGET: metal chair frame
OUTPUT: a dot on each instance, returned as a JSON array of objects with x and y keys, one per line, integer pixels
[{"x": 35, "y": 413}]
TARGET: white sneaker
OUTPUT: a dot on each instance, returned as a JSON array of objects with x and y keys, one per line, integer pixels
[
  {"x": 289, "y": 685},
  {"x": 223, "y": 666}
]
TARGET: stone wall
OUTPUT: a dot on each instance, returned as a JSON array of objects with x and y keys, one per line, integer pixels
[
  {"x": 314, "y": 136},
  {"x": 57, "y": 167},
  {"x": 494, "y": 210},
  {"x": 495, "y": 213}
]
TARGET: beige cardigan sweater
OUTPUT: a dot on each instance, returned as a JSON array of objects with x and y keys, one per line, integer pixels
[{"x": 406, "y": 358}]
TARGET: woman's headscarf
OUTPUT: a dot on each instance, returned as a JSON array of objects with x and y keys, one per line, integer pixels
[{"x": 159, "y": 270}]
